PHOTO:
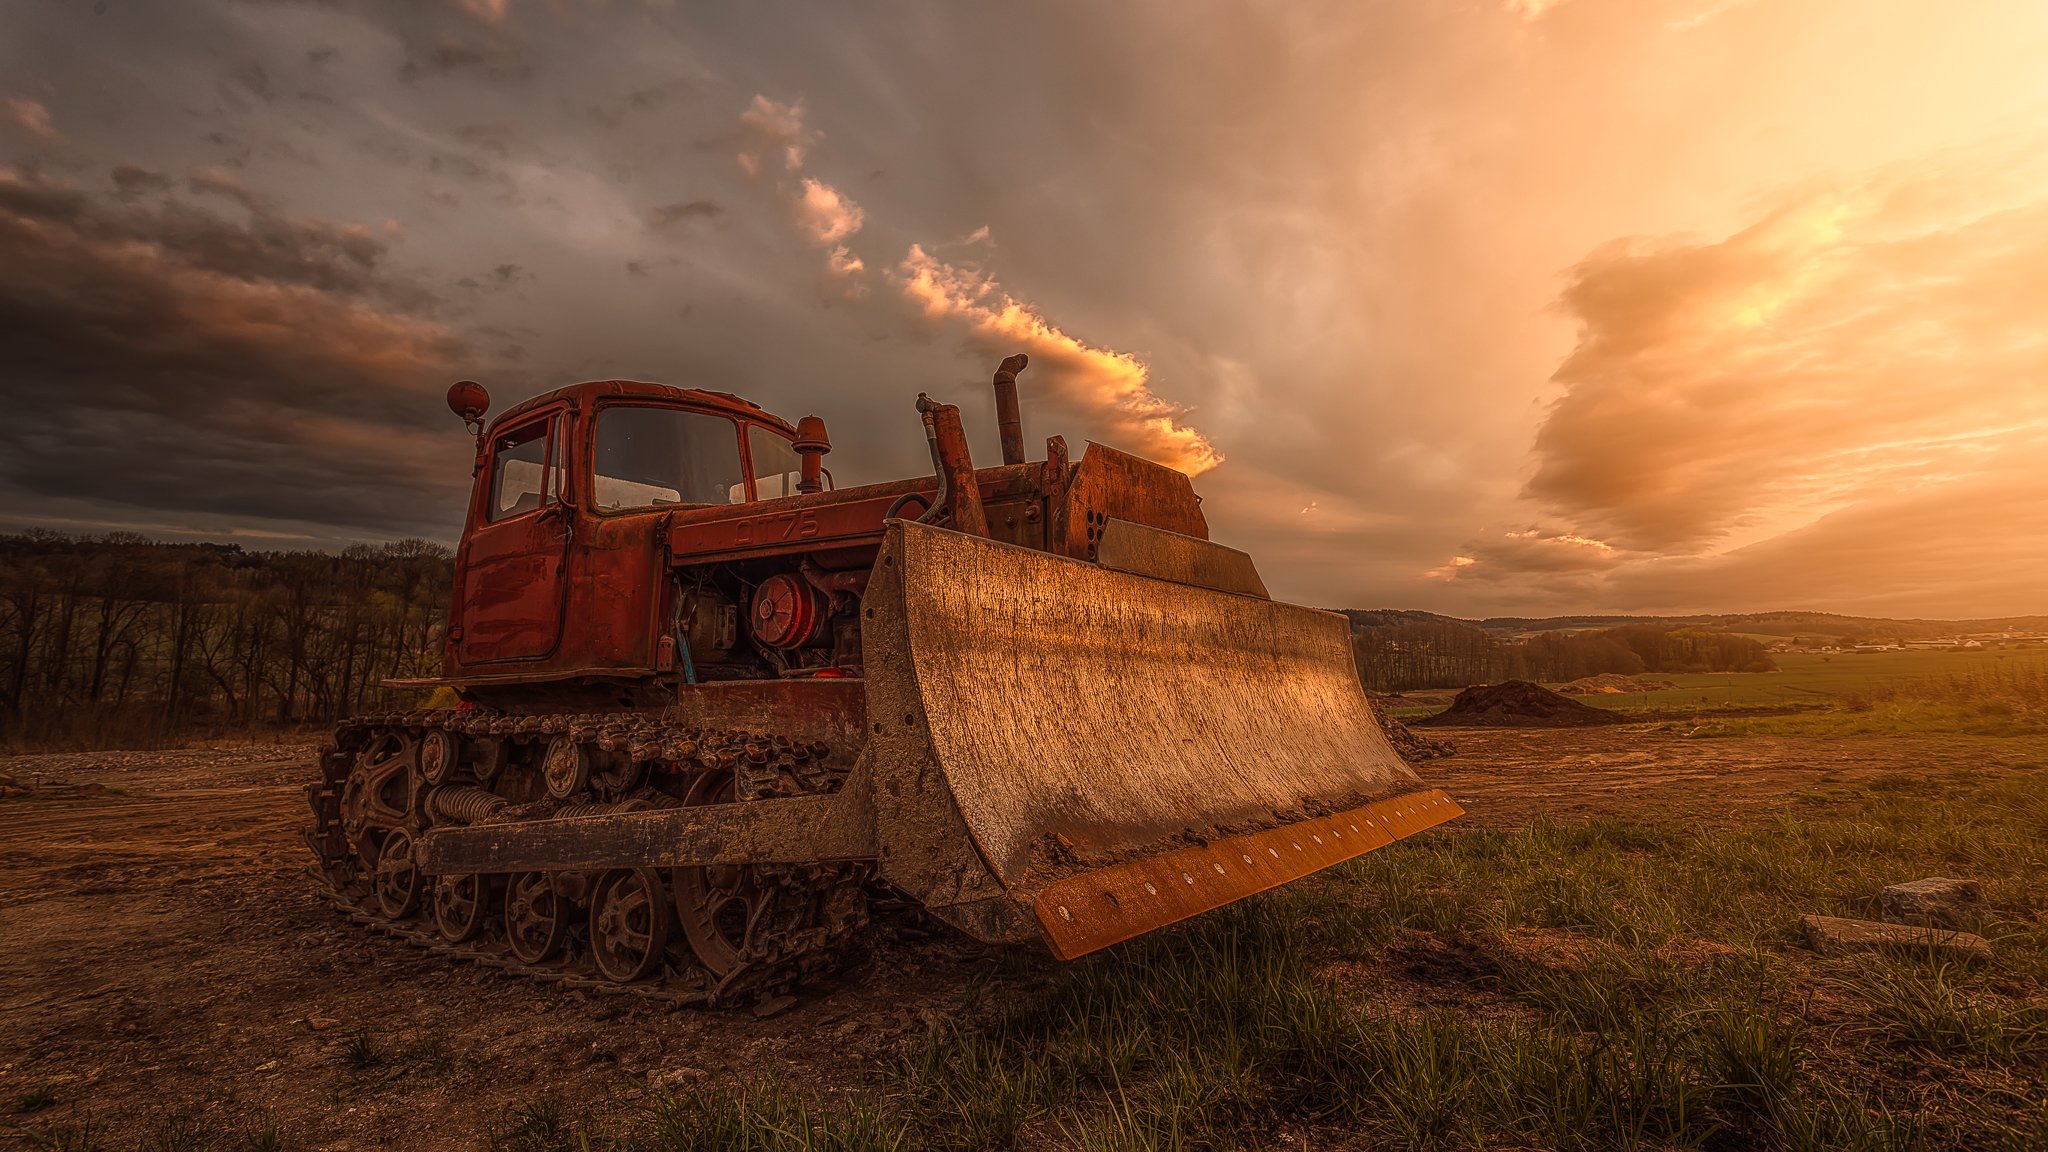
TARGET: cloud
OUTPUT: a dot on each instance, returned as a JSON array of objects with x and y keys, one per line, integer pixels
[
  {"x": 1114, "y": 387},
  {"x": 823, "y": 215},
  {"x": 826, "y": 216},
  {"x": 1838, "y": 395},
  {"x": 1976, "y": 544},
  {"x": 490, "y": 12},
  {"x": 684, "y": 211},
  {"x": 30, "y": 116},
  {"x": 772, "y": 129},
  {"x": 1111, "y": 389},
  {"x": 253, "y": 368}
]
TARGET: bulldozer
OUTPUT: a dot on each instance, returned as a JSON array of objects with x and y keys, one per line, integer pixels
[{"x": 712, "y": 713}]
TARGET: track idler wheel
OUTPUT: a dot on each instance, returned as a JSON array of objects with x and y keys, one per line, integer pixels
[
  {"x": 397, "y": 876},
  {"x": 629, "y": 924},
  {"x": 536, "y": 917},
  {"x": 461, "y": 906}
]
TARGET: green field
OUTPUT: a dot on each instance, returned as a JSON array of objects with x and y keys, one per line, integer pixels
[
  {"x": 1825, "y": 680},
  {"x": 1981, "y": 692}
]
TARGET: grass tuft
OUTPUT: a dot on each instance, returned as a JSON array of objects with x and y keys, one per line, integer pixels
[
  {"x": 36, "y": 1099},
  {"x": 363, "y": 1050}
]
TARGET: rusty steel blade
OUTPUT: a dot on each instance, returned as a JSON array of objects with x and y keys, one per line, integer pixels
[{"x": 1082, "y": 913}]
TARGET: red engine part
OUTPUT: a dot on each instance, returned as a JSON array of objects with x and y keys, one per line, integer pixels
[{"x": 788, "y": 612}]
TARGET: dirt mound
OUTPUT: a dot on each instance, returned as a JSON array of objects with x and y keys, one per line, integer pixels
[
  {"x": 1519, "y": 704},
  {"x": 1611, "y": 683}
]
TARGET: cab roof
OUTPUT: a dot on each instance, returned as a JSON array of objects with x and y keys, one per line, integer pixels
[{"x": 585, "y": 396}]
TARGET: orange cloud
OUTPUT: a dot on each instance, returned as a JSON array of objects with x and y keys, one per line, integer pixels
[
  {"x": 1851, "y": 342},
  {"x": 1110, "y": 387},
  {"x": 31, "y": 117},
  {"x": 1114, "y": 386},
  {"x": 774, "y": 128},
  {"x": 825, "y": 216},
  {"x": 1843, "y": 403}
]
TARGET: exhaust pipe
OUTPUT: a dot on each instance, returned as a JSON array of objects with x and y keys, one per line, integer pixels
[{"x": 1009, "y": 422}]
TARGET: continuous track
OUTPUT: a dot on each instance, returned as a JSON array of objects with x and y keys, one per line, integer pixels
[{"x": 707, "y": 937}]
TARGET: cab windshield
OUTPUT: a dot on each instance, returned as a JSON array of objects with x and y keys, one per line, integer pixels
[{"x": 648, "y": 457}]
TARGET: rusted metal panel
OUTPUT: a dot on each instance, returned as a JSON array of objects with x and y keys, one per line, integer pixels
[
  {"x": 1082, "y": 913},
  {"x": 1108, "y": 484},
  {"x": 1146, "y": 551},
  {"x": 847, "y": 518},
  {"x": 819, "y": 709},
  {"x": 797, "y": 829},
  {"x": 959, "y": 495},
  {"x": 510, "y": 579},
  {"x": 1078, "y": 716}
]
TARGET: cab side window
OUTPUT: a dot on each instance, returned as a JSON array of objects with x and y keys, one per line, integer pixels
[{"x": 521, "y": 479}]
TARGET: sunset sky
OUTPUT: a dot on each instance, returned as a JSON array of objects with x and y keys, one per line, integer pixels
[{"x": 1479, "y": 306}]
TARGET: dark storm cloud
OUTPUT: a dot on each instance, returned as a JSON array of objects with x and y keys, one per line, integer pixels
[
  {"x": 654, "y": 97},
  {"x": 496, "y": 60},
  {"x": 131, "y": 181},
  {"x": 684, "y": 211},
  {"x": 167, "y": 357}
]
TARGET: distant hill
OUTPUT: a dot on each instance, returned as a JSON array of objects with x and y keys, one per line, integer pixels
[{"x": 1829, "y": 624}]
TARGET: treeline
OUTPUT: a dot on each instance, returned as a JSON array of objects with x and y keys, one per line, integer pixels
[
  {"x": 1440, "y": 653},
  {"x": 122, "y": 640}
]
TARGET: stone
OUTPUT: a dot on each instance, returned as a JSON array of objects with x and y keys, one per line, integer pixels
[
  {"x": 1936, "y": 902},
  {"x": 1833, "y": 935}
]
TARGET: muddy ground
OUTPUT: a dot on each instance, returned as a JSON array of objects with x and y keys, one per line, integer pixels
[{"x": 165, "y": 948}]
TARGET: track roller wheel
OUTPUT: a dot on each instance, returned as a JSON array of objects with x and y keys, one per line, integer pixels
[
  {"x": 461, "y": 905},
  {"x": 439, "y": 753},
  {"x": 629, "y": 924},
  {"x": 536, "y": 917},
  {"x": 397, "y": 878},
  {"x": 566, "y": 769}
]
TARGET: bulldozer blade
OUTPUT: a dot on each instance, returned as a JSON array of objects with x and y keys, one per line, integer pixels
[
  {"x": 1047, "y": 733},
  {"x": 1093, "y": 910}
]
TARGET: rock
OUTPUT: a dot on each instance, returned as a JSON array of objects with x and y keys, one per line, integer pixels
[
  {"x": 773, "y": 1005},
  {"x": 1413, "y": 746},
  {"x": 1936, "y": 902},
  {"x": 670, "y": 1079},
  {"x": 1833, "y": 935},
  {"x": 320, "y": 1023}
]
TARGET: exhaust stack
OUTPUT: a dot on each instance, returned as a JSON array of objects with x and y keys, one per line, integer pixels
[{"x": 1009, "y": 422}]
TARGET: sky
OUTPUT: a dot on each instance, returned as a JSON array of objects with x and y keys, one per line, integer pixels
[{"x": 1478, "y": 306}]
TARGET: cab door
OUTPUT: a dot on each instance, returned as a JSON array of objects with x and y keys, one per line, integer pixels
[{"x": 518, "y": 547}]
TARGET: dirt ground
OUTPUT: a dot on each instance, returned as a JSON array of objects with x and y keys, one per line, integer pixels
[{"x": 166, "y": 948}]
